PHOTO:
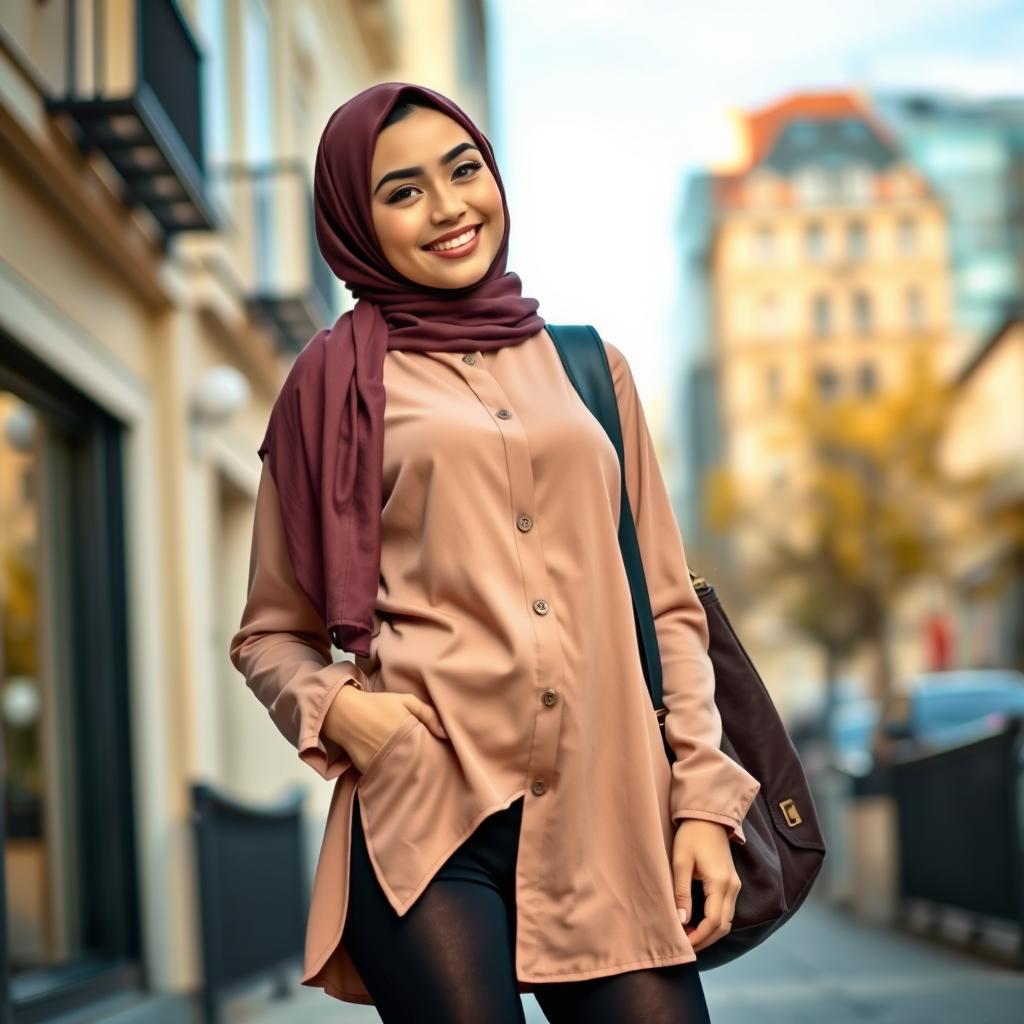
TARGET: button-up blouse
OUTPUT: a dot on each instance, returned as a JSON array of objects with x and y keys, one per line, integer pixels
[{"x": 503, "y": 602}]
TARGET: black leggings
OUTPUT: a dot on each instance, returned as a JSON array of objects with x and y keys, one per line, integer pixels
[{"x": 451, "y": 958}]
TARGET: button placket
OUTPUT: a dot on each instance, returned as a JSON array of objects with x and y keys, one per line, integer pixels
[{"x": 549, "y": 677}]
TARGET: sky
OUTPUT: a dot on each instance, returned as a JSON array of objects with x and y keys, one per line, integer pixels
[{"x": 601, "y": 107}]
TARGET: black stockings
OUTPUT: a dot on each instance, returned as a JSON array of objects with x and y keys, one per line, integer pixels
[{"x": 450, "y": 959}]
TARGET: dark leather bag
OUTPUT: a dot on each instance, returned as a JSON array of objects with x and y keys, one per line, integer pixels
[{"x": 784, "y": 847}]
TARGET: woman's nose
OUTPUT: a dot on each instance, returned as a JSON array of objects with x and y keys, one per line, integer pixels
[{"x": 447, "y": 208}]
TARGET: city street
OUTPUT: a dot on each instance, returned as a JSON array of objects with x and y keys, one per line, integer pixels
[{"x": 822, "y": 968}]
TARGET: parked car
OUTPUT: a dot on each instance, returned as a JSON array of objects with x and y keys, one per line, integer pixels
[
  {"x": 948, "y": 707},
  {"x": 850, "y": 729},
  {"x": 939, "y": 709}
]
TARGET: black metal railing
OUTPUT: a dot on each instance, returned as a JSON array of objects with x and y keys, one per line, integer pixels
[
  {"x": 253, "y": 891},
  {"x": 960, "y": 817},
  {"x": 149, "y": 125},
  {"x": 289, "y": 285}
]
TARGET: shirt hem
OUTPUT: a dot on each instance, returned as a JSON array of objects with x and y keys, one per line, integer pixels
[
  {"x": 685, "y": 957},
  {"x": 529, "y": 978}
]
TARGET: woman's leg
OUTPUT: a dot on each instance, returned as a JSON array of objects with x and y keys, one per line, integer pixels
[
  {"x": 450, "y": 959},
  {"x": 654, "y": 995}
]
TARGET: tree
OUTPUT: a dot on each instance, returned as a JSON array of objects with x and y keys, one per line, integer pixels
[{"x": 863, "y": 520}]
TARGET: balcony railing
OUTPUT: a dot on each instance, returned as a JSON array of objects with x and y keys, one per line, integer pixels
[
  {"x": 134, "y": 94},
  {"x": 273, "y": 244}
]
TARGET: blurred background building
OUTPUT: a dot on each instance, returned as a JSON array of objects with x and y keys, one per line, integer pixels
[
  {"x": 972, "y": 152},
  {"x": 854, "y": 247},
  {"x": 158, "y": 272}
]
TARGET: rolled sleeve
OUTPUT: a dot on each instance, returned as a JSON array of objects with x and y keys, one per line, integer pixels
[
  {"x": 283, "y": 649},
  {"x": 706, "y": 782}
]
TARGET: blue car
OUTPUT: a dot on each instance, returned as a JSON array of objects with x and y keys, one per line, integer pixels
[
  {"x": 951, "y": 707},
  {"x": 941, "y": 709},
  {"x": 850, "y": 728}
]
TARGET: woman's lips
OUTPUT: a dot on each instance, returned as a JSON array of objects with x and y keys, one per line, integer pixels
[{"x": 459, "y": 251}]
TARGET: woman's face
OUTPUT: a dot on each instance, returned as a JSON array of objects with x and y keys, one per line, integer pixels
[{"x": 442, "y": 187}]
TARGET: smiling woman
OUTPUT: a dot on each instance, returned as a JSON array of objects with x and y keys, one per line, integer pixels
[
  {"x": 436, "y": 500},
  {"x": 443, "y": 227}
]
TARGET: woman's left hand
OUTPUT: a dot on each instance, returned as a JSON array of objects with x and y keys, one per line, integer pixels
[{"x": 702, "y": 851}]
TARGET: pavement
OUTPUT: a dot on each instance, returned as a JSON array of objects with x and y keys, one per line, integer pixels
[{"x": 823, "y": 967}]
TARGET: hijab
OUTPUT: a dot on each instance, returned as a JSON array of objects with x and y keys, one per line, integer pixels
[{"x": 324, "y": 441}]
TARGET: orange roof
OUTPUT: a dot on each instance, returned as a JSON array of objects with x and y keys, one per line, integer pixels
[{"x": 764, "y": 126}]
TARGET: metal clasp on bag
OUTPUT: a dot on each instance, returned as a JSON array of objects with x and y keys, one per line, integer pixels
[{"x": 791, "y": 814}]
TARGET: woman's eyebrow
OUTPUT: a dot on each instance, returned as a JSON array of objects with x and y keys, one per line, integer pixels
[{"x": 415, "y": 172}]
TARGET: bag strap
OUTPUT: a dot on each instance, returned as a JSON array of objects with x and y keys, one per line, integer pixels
[{"x": 586, "y": 363}]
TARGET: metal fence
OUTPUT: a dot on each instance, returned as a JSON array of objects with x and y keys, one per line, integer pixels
[
  {"x": 960, "y": 815},
  {"x": 253, "y": 891}
]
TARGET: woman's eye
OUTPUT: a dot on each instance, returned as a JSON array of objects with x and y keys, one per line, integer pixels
[{"x": 398, "y": 194}]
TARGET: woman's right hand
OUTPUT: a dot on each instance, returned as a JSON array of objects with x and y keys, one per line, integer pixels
[{"x": 361, "y": 721}]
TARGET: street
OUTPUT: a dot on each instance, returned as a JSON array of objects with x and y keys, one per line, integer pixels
[{"x": 821, "y": 968}]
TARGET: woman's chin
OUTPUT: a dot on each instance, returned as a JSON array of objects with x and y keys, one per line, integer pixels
[{"x": 459, "y": 276}]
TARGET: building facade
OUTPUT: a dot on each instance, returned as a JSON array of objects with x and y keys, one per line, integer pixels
[
  {"x": 816, "y": 267},
  {"x": 158, "y": 273},
  {"x": 986, "y": 433},
  {"x": 972, "y": 153}
]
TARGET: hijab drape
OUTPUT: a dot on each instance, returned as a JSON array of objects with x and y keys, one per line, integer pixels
[{"x": 325, "y": 436}]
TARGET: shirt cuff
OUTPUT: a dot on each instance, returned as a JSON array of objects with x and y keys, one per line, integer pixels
[
  {"x": 734, "y": 826},
  {"x": 328, "y": 758}
]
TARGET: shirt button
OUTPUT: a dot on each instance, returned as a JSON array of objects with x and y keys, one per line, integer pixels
[
  {"x": 469, "y": 358},
  {"x": 550, "y": 698},
  {"x": 539, "y": 786},
  {"x": 540, "y": 606},
  {"x": 504, "y": 414},
  {"x": 524, "y": 522}
]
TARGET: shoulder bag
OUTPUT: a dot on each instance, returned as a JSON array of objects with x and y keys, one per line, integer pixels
[{"x": 784, "y": 846}]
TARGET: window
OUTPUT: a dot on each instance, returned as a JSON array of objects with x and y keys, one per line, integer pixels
[
  {"x": 821, "y": 315},
  {"x": 768, "y": 323},
  {"x": 906, "y": 236},
  {"x": 855, "y": 183},
  {"x": 861, "y": 313},
  {"x": 867, "y": 379},
  {"x": 856, "y": 240},
  {"x": 827, "y": 382},
  {"x": 803, "y": 133},
  {"x": 764, "y": 244},
  {"x": 915, "y": 308},
  {"x": 812, "y": 185},
  {"x": 853, "y": 130},
  {"x": 814, "y": 242},
  {"x": 216, "y": 112},
  {"x": 259, "y": 132}
]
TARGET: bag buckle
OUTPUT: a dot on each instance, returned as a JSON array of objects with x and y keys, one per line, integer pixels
[{"x": 791, "y": 814}]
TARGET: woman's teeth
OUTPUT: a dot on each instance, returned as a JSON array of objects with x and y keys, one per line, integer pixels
[{"x": 454, "y": 243}]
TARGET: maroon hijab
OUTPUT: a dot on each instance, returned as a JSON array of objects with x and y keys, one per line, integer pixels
[{"x": 325, "y": 436}]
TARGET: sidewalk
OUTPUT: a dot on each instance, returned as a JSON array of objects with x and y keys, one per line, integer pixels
[
  {"x": 822, "y": 968},
  {"x": 825, "y": 967}
]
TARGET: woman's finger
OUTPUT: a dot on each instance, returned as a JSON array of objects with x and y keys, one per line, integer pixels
[
  {"x": 713, "y": 900},
  {"x": 729, "y": 904},
  {"x": 430, "y": 718}
]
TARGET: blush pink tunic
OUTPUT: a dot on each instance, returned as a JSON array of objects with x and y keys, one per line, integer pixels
[{"x": 504, "y": 604}]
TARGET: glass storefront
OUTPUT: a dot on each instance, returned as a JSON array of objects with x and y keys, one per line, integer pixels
[{"x": 70, "y": 910}]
